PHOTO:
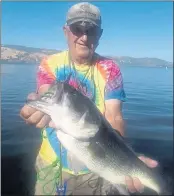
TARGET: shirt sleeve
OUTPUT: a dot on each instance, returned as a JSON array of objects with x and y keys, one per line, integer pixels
[
  {"x": 44, "y": 74},
  {"x": 114, "y": 87}
]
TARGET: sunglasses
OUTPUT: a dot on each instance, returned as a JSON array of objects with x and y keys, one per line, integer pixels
[{"x": 87, "y": 29}]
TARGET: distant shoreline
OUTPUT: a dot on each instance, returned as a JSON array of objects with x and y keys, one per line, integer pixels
[
  {"x": 14, "y": 54},
  {"x": 125, "y": 65},
  {"x": 18, "y": 63}
]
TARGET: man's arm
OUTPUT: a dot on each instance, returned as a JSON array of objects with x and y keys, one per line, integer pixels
[
  {"x": 45, "y": 77},
  {"x": 113, "y": 113},
  {"x": 114, "y": 96}
]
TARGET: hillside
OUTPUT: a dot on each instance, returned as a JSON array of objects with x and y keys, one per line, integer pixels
[{"x": 28, "y": 55}]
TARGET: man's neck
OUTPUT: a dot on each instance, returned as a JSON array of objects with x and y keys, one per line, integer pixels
[{"x": 81, "y": 61}]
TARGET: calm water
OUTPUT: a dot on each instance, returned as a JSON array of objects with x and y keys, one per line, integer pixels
[{"x": 148, "y": 111}]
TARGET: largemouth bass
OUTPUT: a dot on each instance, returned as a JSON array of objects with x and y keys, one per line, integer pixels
[{"x": 85, "y": 133}]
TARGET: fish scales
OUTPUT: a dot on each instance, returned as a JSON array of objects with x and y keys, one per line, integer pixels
[{"x": 85, "y": 133}]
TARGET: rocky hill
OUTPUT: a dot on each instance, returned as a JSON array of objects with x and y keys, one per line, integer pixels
[
  {"x": 28, "y": 55},
  {"x": 22, "y": 54}
]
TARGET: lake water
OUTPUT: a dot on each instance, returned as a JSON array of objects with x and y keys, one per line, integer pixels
[
  {"x": 148, "y": 114},
  {"x": 148, "y": 111}
]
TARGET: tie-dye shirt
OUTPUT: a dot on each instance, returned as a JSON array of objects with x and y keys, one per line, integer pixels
[{"x": 100, "y": 81}]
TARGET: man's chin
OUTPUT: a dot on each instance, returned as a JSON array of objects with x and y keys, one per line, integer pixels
[{"x": 85, "y": 53}]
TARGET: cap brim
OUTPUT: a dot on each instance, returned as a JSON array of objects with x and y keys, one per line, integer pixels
[{"x": 70, "y": 22}]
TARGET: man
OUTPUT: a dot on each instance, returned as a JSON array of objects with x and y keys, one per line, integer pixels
[{"x": 98, "y": 78}]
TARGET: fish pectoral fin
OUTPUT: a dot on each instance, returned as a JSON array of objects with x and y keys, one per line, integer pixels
[
  {"x": 88, "y": 132},
  {"x": 84, "y": 124},
  {"x": 96, "y": 149},
  {"x": 82, "y": 120}
]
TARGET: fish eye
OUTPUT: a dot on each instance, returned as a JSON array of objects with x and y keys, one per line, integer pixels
[{"x": 46, "y": 96}]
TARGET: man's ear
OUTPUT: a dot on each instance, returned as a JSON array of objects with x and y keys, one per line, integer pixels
[
  {"x": 101, "y": 32},
  {"x": 65, "y": 31}
]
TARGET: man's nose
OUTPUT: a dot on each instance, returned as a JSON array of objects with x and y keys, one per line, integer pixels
[{"x": 84, "y": 37}]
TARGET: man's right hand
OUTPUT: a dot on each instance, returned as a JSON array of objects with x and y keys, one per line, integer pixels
[{"x": 33, "y": 116}]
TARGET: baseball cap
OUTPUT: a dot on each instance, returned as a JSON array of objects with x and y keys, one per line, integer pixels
[{"x": 84, "y": 12}]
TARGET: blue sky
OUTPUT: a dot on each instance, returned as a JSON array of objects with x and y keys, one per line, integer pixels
[{"x": 138, "y": 29}]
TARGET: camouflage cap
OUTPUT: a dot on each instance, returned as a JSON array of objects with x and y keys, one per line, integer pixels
[{"x": 84, "y": 12}]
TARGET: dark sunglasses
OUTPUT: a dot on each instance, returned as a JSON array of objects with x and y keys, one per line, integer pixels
[{"x": 88, "y": 29}]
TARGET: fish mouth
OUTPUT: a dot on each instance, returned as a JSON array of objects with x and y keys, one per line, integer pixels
[
  {"x": 46, "y": 102},
  {"x": 41, "y": 106}
]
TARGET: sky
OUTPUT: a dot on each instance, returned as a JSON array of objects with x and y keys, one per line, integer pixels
[{"x": 137, "y": 29}]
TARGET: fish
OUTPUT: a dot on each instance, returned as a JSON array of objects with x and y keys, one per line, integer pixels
[{"x": 84, "y": 131}]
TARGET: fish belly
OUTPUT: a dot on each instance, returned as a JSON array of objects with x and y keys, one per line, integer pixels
[{"x": 81, "y": 151}]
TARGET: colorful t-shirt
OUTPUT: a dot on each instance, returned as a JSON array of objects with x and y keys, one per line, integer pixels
[{"x": 100, "y": 81}]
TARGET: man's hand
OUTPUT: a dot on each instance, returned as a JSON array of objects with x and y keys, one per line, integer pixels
[
  {"x": 33, "y": 116},
  {"x": 134, "y": 185}
]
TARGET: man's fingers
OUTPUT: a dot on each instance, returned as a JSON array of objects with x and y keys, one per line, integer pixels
[
  {"x": 130, "y": 184},
  {"x": 35, "y": 118},
  {"x": 149, "y": 162},
  {"x": 51, "y": 124},
  {"x": 32, "y": 96},
  {"x": 135, "y": 185},
  {"x": 43, "y": 122},
  {"x": 26, "y": 112},
  {"x": 138, "y": 185}
]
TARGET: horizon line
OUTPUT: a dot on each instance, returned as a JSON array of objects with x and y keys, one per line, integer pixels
[{"x": 104, "y": 55}]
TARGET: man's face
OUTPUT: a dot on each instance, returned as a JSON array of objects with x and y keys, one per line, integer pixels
[{"x": 82, "y": 39}]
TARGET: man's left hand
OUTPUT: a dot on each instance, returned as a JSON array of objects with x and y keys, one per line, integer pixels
[{"x": 134, "y": 184}]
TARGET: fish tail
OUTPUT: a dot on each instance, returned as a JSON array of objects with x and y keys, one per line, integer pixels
[
  {"x": 166, "y": 191},
  {"x": 159, "y": 188}
]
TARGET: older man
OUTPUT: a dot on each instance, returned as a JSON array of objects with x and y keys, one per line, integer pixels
[{"x": 97, "y": 77}]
